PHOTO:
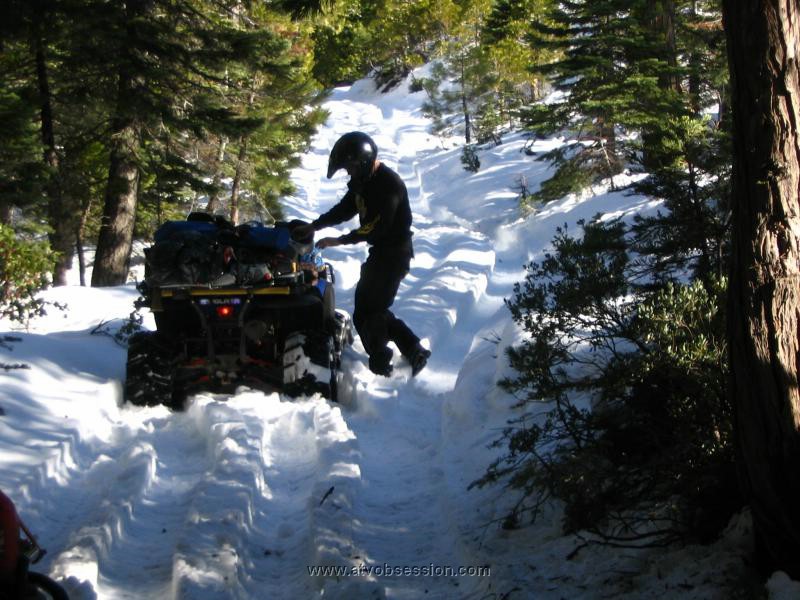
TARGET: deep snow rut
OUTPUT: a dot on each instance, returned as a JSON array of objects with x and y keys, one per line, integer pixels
[
  {"x": 223, "y": 501},
  {"x": 401, "y": 514},
  {"x": 241, "y": 497}
]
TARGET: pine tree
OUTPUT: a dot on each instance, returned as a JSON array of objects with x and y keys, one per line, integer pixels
[
  {"x": 46, "y": 28},
  {"x": 702, "y": 39},
  {"x": 616, "y": 75},
  {"x": 461, "y": 83},
  {"x": 505, "y": 33},
  {"x": 70, "y": 114},
  {"x": 686, "y": 155},
  {"x": 689, "y": 168},
  {"x": 119, "y": 211},
  {"x": 281, "y": 98},
  {"x": 22, "y": 173},
  {"x": 406, "y": 34},
  {"x": 343, "y": 42},
  {"x": 24, "y": 176},
  {"x": 170, "y": 61}
]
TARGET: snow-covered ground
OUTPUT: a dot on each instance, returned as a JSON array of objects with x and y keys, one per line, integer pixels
[{"x": 242, "y": 496}]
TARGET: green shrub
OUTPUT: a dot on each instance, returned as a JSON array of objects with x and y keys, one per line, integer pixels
[
  {"x": 416, "y": 85},
  {"x": 624, "y": 416},
  {"x": 571, "y": 176},
  {"x": 24, "y": 269},
  {"x": 469, "y": 159},
  {"x": 488, "y": 123}
]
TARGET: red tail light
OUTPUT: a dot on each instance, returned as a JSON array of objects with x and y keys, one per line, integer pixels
[{"x": 224, "y": 311}]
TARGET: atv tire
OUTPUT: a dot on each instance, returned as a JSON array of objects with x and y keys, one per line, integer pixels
[
  {"x": 47, "y": 588},
  {"x": 343, "y": 332},
  {"x": 309, "y": 365},
  {"x": 149, "y": 379}
]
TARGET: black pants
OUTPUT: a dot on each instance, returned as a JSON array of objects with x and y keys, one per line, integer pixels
[{"x": 376, "y": 324}]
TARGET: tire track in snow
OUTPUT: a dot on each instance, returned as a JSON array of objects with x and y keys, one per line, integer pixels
[
  {"x": 223, "y": 501},
  {"x": 137, "y": 493},
  {"x": 400, "y": 513},
  {"x": 257, "y": 521}
]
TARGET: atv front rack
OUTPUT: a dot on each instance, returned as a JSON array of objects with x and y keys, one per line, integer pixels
[{"x": 155, "y": 295}]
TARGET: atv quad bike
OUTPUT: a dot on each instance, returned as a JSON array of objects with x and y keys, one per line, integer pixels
[{"x": 233, "y": 306}]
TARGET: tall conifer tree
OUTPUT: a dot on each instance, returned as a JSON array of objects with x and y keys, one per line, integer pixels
[
  {"x": 616, "y": 76},
  {"x": 170, "y": 61}
]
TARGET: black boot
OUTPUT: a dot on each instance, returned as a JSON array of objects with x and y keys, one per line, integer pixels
[
  {"x": 380, "y": 363},
  {"x": 418, "y": 360}
]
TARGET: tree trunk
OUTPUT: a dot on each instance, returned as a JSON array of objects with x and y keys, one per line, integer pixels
[
  {"x": 764, "y": 294},
  {"x": 213, "y": 201},
  {"x": 112, "y": 259},
  {"x": 467, "y": 121},
  {"x": 671, "y": 44},
  {"x": 81, "y": 259},
  {"x": 240, "y": 164},
  {"x": 60, "y": 215},
  {"x": 723, "y": 93},
  {"x": 79, "y": 237},
  {"x": 6, "y": 211},
  {"x": 237, "y": 181},
  {"x": 695, "y": 67},
  {"x": 465, "y": 105},
  {"x": 115, "y": 241}
]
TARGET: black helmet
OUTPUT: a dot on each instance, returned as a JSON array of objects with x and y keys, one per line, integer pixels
[{"x": 356, "y": 150}]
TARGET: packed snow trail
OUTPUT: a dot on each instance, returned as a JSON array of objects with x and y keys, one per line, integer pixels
[
  {"x": 238, "y": 497},
  {"x": 257, "y": 496},
  {"x": 399, "y": 509}
]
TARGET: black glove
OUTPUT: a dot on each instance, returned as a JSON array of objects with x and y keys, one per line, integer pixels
[{"x": 303, "y": 233}]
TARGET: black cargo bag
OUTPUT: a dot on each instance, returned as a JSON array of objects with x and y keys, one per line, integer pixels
[{"x": 185, "y": 252}]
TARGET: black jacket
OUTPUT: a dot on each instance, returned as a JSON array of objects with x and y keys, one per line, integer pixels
[{"x": 384, "y": 214}]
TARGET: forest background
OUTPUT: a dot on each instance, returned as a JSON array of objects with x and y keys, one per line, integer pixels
[{"x": 118, "y": 116}]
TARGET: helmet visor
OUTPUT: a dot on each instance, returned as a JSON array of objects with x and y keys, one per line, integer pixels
[
  {"x": 332, "y": 168},
  {"x": 351, "y": 166}
]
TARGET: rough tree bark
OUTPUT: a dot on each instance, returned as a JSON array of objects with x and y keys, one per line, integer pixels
[
  {"x": 237, "y": 180},
  {"x": 213, "y": 201},
  {"x": 115, "y": 241},
  {"x": 764, "y": 295},
  {"x": 112, "y": 258}
]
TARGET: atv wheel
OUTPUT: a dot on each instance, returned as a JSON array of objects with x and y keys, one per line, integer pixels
[
  {"x": 148, "y": 378},
  {"x": 343, "y": 332},
  {"x": 309, "y": 365},
  {"x": 47, "y": 588}
]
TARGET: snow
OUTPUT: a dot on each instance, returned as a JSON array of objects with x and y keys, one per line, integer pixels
[{"x": 239, "y": 496}]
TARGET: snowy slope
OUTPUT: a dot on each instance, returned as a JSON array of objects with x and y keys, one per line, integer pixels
[{"x": 239, "y": 496}]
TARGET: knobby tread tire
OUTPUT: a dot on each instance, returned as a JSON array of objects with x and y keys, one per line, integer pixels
[
  {"x": 149, "y": 378},
  {"x": 318, "y": 348},
  {"x": 50, "y": 588}
]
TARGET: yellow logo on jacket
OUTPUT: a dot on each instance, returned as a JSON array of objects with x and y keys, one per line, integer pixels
[{"x": 366, "y": 228}]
